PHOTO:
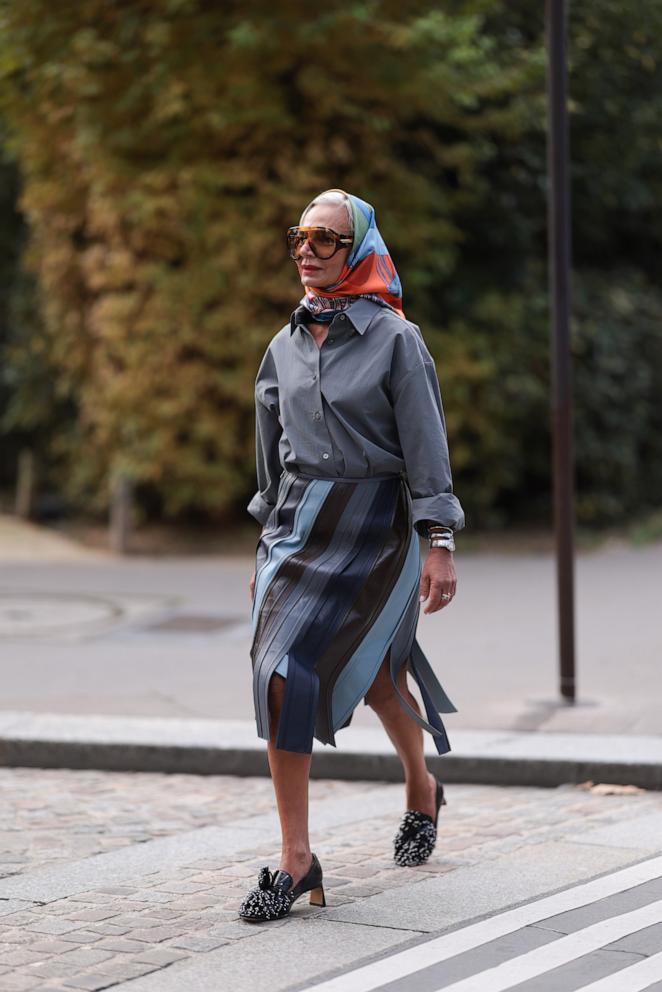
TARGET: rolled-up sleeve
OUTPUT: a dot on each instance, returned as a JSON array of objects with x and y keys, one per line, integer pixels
[
  {"x": 421, "y": 427},
  {"x": 268, "y": 432}
]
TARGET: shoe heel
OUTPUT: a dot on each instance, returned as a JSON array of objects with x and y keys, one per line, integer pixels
[{"x": 317, "y": 896}]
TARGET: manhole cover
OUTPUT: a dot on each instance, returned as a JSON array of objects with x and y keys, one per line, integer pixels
[{"x": 36, "y": 614}]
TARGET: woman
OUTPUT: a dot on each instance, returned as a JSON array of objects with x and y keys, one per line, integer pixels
[{"x": 352, "y": 466}]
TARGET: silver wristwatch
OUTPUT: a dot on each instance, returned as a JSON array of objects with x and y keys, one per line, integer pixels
[
  {"x": 441, "y": 537},
  {"x": 443, "y": 542}
]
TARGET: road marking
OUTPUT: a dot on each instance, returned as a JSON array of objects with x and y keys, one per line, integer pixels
[
  {"x": 421, "y": 956},
  {"x": 531, "y": 964},
  {"x": 639, "y": 976}
]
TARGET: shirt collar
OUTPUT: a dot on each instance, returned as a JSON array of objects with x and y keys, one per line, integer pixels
[{"x": 359, "y": 314}]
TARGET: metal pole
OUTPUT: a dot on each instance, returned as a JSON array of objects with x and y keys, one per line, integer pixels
[
  {"x": 559, "y": 283},
  {"x": 25, "y": 484},
  {"x": 121, "y": 513}
]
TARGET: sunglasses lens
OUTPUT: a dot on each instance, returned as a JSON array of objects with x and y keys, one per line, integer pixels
[
  {"x": 322, "y": 243},
  {"x": 295, "y": 242}
]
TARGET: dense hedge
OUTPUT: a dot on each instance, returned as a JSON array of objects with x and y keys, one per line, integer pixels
[{"x": 164, "y": 146}]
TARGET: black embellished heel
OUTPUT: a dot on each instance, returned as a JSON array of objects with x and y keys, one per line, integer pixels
[
  {"x": 274, "y": 896},
  {"x": 417, "y": 834}
]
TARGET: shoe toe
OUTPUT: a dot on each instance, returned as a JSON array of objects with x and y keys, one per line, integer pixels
[
  {"x": 264, "y": 904},
  {"x": 415, "y": 840}
]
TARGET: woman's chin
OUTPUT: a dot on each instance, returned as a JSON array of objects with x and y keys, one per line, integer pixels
[{"x": 316, "y": 282}]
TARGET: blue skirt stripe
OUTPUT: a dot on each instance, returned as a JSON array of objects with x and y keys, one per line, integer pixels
[
  {"x": 439, "y": 735},
  {"x": 298, "y": 610},
  {"x": 281, "y": 667},
  {"x": 405, "y": 646},
  {"x": 296, "y": 730},
  {"x": 295, "y": 611},
  {"x": 304, "y": 518},
  {"x": 423, "y": 672},
  {"x": 355, "y": 679}
]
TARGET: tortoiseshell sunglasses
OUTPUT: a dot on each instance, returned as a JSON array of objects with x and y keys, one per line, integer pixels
[{"x": 324, "y": 242}]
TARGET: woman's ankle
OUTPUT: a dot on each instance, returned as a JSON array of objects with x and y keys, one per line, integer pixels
[
  {"x": 296, "y": 854},
  {"x": 296, "y": 864},
  {"x": 421, "y": 792}
]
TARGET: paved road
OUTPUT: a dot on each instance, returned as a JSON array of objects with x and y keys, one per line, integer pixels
[
  {"x": 599, "y": 936},
  {"x": 170, "y": 637},
  {"x": 133, "y": 881}
]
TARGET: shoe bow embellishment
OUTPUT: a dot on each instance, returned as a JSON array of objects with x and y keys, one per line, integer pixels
[
  {"x": 265, "y": 879},
  {"x": 274, "y": 881}
]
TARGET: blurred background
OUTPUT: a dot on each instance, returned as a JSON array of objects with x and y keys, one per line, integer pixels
[{"x": 152, "y": 155}]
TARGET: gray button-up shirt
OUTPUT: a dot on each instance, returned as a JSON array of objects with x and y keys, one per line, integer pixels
[{"x": 367, "y": 402}]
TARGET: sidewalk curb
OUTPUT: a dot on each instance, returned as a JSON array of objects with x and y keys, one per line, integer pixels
[
  {"x": 483, "y": 770},
  {"x": 227, "y": 747}
]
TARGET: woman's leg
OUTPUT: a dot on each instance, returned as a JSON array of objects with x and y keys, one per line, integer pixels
[
  {"x": 290, "y": 772},
  {"x": 405, "y": 734}
]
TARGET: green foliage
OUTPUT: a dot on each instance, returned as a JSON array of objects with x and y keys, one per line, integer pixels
[
  {"x": 618, "y": 365},
  {"x": 164, "y": 147},
  {"x": 495, "y": 370}
]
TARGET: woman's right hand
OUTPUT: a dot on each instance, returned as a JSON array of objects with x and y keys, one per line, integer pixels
[{"x": 251, "y": 585}]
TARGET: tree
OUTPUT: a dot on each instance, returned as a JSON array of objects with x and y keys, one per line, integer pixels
[{"x": 165, "y": 145}]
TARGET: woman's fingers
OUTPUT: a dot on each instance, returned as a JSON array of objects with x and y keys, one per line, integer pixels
[
  {"x": 438, "y": 582},
  {"x": 424, "y": 587},
  {"x": 434, "y": 599}
]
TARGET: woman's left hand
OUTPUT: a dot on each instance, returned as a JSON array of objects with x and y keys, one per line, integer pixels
[{"x": 438, "y": 576}]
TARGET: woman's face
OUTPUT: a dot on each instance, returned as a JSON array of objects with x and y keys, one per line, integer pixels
[{"x": 324, "y": 271}]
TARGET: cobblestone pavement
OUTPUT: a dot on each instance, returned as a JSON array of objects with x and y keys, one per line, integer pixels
[{"x": 102, "y": 935}]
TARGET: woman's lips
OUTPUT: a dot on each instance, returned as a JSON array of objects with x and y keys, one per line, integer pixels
[{"x": 310, "y": 268}]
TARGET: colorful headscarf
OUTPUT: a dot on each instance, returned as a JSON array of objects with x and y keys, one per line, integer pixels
[{"x": 368, "y": 272}]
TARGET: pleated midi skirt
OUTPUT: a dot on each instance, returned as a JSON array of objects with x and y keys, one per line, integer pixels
[{"x": 337, "y": 572}]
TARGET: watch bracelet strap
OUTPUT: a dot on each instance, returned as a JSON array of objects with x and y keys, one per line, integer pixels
[
  {"x": 434, "y": 529},
  {"x": 440, "y": 536}
]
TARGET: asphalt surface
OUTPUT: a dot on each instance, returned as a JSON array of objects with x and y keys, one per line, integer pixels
[
  {"x": 171, "y": 636},
  {"x": 116, "y": 877}
]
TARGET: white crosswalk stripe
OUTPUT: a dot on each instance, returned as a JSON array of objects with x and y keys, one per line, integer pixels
[
  {"x": 526, "y": 966},
  {"x": 637, "y": 978},
  {"x": 407, "y": 963}
]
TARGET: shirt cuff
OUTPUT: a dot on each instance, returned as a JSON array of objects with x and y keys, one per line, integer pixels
[
  {"x": 444, "y": 509},
  {"x": 260, "y": 509}
]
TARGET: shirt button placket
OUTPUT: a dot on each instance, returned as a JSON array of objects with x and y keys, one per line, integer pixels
[{"x": 324, "y": 436}]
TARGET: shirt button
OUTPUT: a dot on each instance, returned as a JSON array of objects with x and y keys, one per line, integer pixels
[
  {"x": 325, "y": 454},
  {"x": 314, "y": 376},
  {"x": 331, "y": 339},
  {"x": 317, "y": 415},
  {"x": 342, "y": 316}
]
